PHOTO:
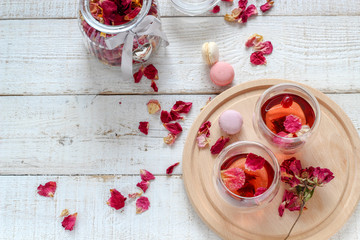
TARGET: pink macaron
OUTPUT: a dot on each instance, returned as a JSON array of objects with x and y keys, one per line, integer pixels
[
  {"x": 231, "y": 122},
  {"x": 222, "y": 73}
]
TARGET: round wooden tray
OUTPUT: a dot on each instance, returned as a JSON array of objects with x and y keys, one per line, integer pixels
[{"x": 337, "y": 147}]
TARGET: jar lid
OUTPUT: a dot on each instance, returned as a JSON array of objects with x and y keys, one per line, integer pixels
[{"x": 194, "y": 7}]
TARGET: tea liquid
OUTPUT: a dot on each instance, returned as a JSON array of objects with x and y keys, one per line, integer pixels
[
  {"x": 276, "y": 109},
  {"x": 253, "y": 179}
]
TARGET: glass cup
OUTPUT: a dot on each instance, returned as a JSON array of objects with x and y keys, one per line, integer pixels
[
  {"x": 236, "y": 151},
  {"x": 194, "y": 7},
  {"x": 270, "y": 111}
]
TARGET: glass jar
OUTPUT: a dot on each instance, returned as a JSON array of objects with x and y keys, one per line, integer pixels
[
  {"x": 97, "y": 36},
  {"x": 194, "y": 7}
]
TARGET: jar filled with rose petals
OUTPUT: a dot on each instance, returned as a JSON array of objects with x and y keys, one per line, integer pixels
[{"x": 121, "y": 32}]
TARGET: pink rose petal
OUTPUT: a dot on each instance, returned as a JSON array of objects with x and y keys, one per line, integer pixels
[
  {"x": 142, "y": 204},
  {"x": 254, "y": 162}
]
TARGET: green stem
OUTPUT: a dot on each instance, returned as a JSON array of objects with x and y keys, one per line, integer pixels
[{"x": 301, "y": 210}]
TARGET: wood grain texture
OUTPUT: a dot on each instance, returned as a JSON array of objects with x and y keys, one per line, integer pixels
[
  {"x": 11, "y": 9},
  {"x": 96, "y": 134},
  {"x": 337, "y": 149},
  {"x": 48, "y": 57}
]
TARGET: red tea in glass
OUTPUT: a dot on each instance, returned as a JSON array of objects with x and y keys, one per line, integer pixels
[{"x": 261, "y": 178}]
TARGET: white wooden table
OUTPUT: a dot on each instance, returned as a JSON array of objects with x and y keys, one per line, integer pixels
[{"x": 60, "y": 117}]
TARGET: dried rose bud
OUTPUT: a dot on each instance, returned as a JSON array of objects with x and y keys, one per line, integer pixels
[
  {"x": 142, "y": 204},
  {"x": 216, "y": 9},
  {"x": 69, "y": 222},
  {"x": 170, "y": 139},
  {"x": 144, "y": 127},
  {"x": 47, "y": 190},
  {"x": 153, "y": 106},
  {"x": 267, "y": 6},
  {"x": 257, "y": 58},
  {"x": 253, "y": 40},
  {"x": 170, "y": 169},
  {"x": 254, "y": 162},
  {"x": 264, "y": 47},
  {"x": 117, "y": 200}
]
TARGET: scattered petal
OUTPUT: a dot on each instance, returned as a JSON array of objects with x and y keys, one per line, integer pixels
[
  {"x": 219, "y": 145},
  {"x": 205, "y": 129},
  {"x": 233, "y": 178},
  {"x": 47, "y": 190},
  {"x": 165, "y": 117},
  {"x": 260, "y": 191},
  {"x": 253, "y": 40},
  {"x": 267, "y": 6},
  {"x": 69, "y": 222},
  {"x": 289, "y": 201},
  {"x": 175, "y": 116},
  {"x": 170, "y": 169},
  {"x": 254, "y": 162},
  {"x": 248, "y": 12},
  {"x": 322, "y": 176},
  {"x": 174, "y": 128},
  {"x": 144, "y": 127},
  {"x": 202, "y": 141},
  {"x": 292, "y": 123},
  {"x": 257, "y": 58},
  {"x": 182, "y": 107},
  {"x": 139, "y": 74},
  {"x": 216, "y": 9},
  {"x": 151, "y": 72},
  {"x": 290, "y": 169},
  {"x": 143, "y": 185},
  {"x": 242, "y": 4},
  {"x": 154, "y": 86},
  {"x": 153, "y": 106},
  {"x": 117, "y": 200},
  {"x": 170, "y": 139},
  {"x": 264, "y": 47},
  {"x": 134, "y": 195},
  {"x": 235, "y": 14},
  {"x": 64, "y": 213},
  {"x": 142, "y": 204},
  {"x": 146, "y": 175}
]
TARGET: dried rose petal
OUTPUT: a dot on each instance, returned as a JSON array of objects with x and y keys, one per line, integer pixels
[
  {"x": 289, "y": 201},
  {"x": 182, "y": 107},
  {"x": 69, "y": 222},
  {"x": 165, "y": 117},
  {"x": 205, "y": 129},
  {"x": 235, "y": 14},
  {"x": 143, "y": 185},
  {"x": 134, "y": 195},
  {"x": 47, "y": 190},
  {"x": 290, "y": 169},
  {"x": 260, "y": 191},
  {"x": 154, "y": 86},
  {"x": 254, "y": 162},
  {"x": 257, "y": 58},
  {"x": 219, "y": 145},
  {"x": 264, "y": 47},
  {"x": 139, "y": 74},
  {"x": 242, "y": 4},
  {"x": 175, "y": 116},
  {"x": 202, "y": 141},
  {"x": 144, "y": 127},
  {"x": 170, "y": 139},
  {"x": 321, "y": 176},
  {"x": 216, "y": 9},
  {"x": 170, "y": 169},
  {"x": 233, "y": 178},
  {"x": 267, "y": 6},
  {"x": 292, "y": 123},
  {"x": 131, "y": 15},
  {"x": 151, "y": 72},
  {"x": 142, "y": 204},
  {"x": 248, "y": 12},
  {"x": 146, "y": 175},
  {"x": 174, "y": 128},
  {"x": 117, "y": 200},
  {"x": 153, "y": 106},
  {"x": 253, "y": 40},
  {"x": 64, "y": 213}
]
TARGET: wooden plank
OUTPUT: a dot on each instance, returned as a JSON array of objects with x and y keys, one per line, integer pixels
[
  {"x": 48, "y": 57},
  {"x": 97, "y": 135},
  {"x": 26, "y": 215},
  {"x": 11, "y": 9}
]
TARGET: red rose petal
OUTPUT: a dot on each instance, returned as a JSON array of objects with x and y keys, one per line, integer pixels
[
  {"x": 151, "y": 72},
  {"x": 69, "y": 222},
  {"x": 242, "y": 4},
  {"x": 266, "y": 7},
  {"x": 182, "y": 107},
  {"x": 233, "y": 178},
  {"x": 142, "y": 204},
  {"x": 175, "y": 116},
  {"x": 264, "y": 47},
  {"x": 154, "y": 86},
  {"x": 253, "y": 40},
  {"x": 117, "y": 200},
  {"x": 174, "y": 128},
  {"x": 48, "y": 190},
  {"x": 254, "y": 162},
  {"x": 292, "y": 123},
  {"x": 257, "y": 58},
  {"x": 216, "y": 9},
  {"x": 219, "y": 145},
  {"x": 144, "y": 127},
  {"x": 249, "y": 11},
  {"x": 131, "y": 15},
  {"x": 205, "y": 129},
  {"x": 165, "y": 117},
  {"x": 260, "y": 191},
  {"x": 146, "y": 175},
  {"x": 139, "y": 74},
  {"x": 143, "y": 185},
  {"x": 170, "y": 169}
]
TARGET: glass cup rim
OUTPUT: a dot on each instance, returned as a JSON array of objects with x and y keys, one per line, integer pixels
[
  {"x": 276, "y": 167},
  {"x": 85, "y": 12},
  {"x": 193, "y": 9},
  {"x": 308, "y": 93}
]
